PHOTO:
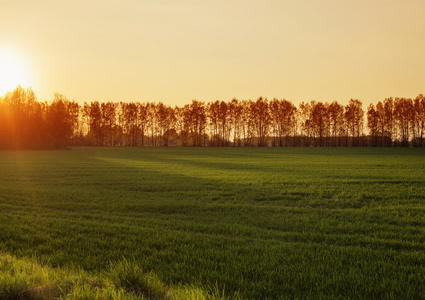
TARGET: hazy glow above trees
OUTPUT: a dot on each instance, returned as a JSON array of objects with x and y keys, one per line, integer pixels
[
  {"x": 12, "y": 71},
  {"x": 176, "y": 51}
]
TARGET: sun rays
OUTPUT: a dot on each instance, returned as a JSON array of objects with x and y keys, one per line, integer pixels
[{"x": 13, "y": 71}]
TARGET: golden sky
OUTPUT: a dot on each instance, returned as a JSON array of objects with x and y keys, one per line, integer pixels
[{"x": 176, "y": 51}]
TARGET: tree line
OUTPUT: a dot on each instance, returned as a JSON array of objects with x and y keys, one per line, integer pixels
[{"x": 26, "y": 123}]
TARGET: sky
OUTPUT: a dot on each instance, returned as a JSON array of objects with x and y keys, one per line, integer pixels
[{"x": 176, "y": 51}]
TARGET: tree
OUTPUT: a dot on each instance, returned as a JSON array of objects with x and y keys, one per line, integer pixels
[
  {"x": 247, "y": 124},
  {"x": 354, "y": 120},
  {"x": 282, "y": 114},
  {"x": 213, "y": 111},
  {"x": 259, "y": 114},
  {"x": 109, "y": 120},
  {"x": 388, "y": 121},
  {"x": 194, "y": 119},
  {"x": 166, "y": 121},
  {"x": 336, "y": 122},
  {"x": 418, "y": 126},
  {"x": 372, "y": 124},
  {"x": 143, "y": 111},
  {"x": 319, "y": 120},
  {"x": 60, "y": 122},
  {"x": 131, "y": 123},
  {"x": 224, "y": 120},
  {"x": 403, "y": 115},
  {"x": 306, "y": 123},
  {"x": 235, "y": 112},
  {"x": 179, "y": 125},
  {"x": 96, "y": 123}
]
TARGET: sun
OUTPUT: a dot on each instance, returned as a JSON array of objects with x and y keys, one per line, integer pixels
[{"x": 12, "y": 72}]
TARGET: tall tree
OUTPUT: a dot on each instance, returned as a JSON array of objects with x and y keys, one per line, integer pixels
[
  {"x": 282, "y": 113},
  {"x": 235, "y": 112},
  {"x": 403, "y": 113},
  {"x": 261, "y": 119},
  {"x": 213, "y": 112},
  {"x": 319, "y": 120},
  {"x": 195, "y": 121},
  {"x": 354, "y": 120},
  {"x": 336, "y": 122},
  {"x": 109, "y": 120},
  {"x": 372, "y": 124},
  {"x": 60, "y": 122},
  {"x": 96, "y": 123},
  {"x": 388, "y": 120},
  {"x": 418, "y": 125},
  {"x": 306, "y": 123},
  {"x": 143, "y": 111}
]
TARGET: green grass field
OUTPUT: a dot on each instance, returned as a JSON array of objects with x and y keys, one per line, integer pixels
[{"x": 258, "y": 222}]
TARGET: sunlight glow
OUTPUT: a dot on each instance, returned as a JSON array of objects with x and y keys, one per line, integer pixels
[{"x": 12, "y": 72}]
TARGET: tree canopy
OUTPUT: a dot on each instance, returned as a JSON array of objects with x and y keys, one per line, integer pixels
[{"x": 26, "y": 123}]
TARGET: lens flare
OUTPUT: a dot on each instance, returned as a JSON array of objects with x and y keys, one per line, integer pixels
[{"x": 12, "y": 72}]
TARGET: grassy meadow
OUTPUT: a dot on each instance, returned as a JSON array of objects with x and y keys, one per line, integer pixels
[{"x": 253, "y": 223}]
